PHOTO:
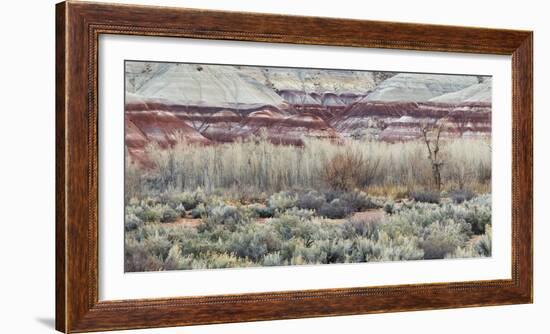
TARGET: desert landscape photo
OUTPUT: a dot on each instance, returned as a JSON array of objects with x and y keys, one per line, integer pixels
[{"x": 230, "y": 166}]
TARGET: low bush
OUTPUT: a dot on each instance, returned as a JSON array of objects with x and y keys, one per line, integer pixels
[
  {"x": 463, "y": 253},
  {"x": 273, "y": 259},
  {"x": 151, "y": 213},
  {"x": 367, "y": 250},
  {"x": 442, "y": 238},
  {"x": 262, "y": 211},
  {"x": 189, "y": 199},
  {"x": 155, "y": 212},
  {"x": 253, "y": 242},
  {"x": 483, "y": 245},
  {"x": 181, "y": 211},
  {"x": 358, "y": 201},
  {"x": 303, "y": 214},
  {"x": 389, "y": 207},
  {"x": 459, "y": 196},
  {"x": 229, "y": 235},
  {"x": 335, "y": 210},
  {"x": 132, "y": 222},
  {"x": 311, "y": 200},
  {"x": 199, "y": 211},
  {"x": 168, "y": 214},
  {"x": 360, "y": 227},
  {"x": 227, "y": 215},
  {"x": 403, "y": 248},
  {"x": 333, "y": 250},
  {"x": 476, "y": 212},
  {"x": 425, "y": 196},
  {"x": 282, "y": 200},
  {"x": 291, "y": 226}
]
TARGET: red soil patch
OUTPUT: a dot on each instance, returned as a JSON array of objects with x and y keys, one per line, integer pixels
[
  {"x": 370, "y": 214},
  {"x": 364, "y": 215},
  {"x": 189, "y": 222}
]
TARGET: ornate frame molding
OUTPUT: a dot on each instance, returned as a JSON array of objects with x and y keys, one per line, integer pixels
[{"x": 78, "y": 27}]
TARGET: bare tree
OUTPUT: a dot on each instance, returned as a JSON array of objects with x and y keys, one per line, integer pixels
[
  {"x": 432, "y": 134},
  {"x": 350, "y": 169}
]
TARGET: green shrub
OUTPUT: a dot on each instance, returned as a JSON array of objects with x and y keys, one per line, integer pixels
[
  {"x": 404, "y": 224},
  {"x": 332, "y": 194},
  {"x": 459, "y": 196},
  {"x": 289, "y": 226},
  {"x": 262, "y": 211},
  {"x": 303, "y": 214},
  {"x": 152, "y": 214},
  {"x": 389, "y": 207},
  {"x": 180, "y": 210},
  {"x": 479, "y": 218},
  {"x": 360, "y": 227},
  {"x": 227, "y": 215},
  {"x": 273, "y": 259},
  {"x": 138, "y": 258},
  {"x": 333, "y": 251},
  {"x": 251, "y": 244},
  {"x": 366, "y": 250},
  {"x": 426, "y": 196},
  {"x": 221, "y": 260},
  {"x": 442, "y": 238},
  {"x": 483, "y": 245},
  {"x": 189, "y": 199},
  {"x": 335, "y": 209},
  {"x": 282, "y": 201},
  {"x": 311, "y": 200},
  {"x": 358, "y": 201},
  {"x": 132, "y": 222},
  {"x": 402, "y": 248},
  {"x": 463, "y": 253},
  {"x": 229, "y": 237},
  {"x": 168, "y": 214},
  {"x": 384, "y": 248},
  {"x": 199, "y": 211}
]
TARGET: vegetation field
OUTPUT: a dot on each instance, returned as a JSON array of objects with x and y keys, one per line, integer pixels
[{"x": 253, "y": 203}]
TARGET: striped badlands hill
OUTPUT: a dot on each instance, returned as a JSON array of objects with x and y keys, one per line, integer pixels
[
  {"x": 206, "y": 104},
  {"x": 394, "y": 113},
  {"x": 144, "y": 125},
  {"x": 219, "y": 104},
  {"x": 294, "y": 129}
]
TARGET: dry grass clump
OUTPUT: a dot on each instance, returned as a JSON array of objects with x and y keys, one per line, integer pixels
[
  {"x": 258, "y": 166},
  {"x": 350, "y": 169}
]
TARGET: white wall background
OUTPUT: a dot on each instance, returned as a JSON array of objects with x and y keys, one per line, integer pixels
[{"x": 27, "y": 69}]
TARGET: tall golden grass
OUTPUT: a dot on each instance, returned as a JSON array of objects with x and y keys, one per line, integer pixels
[{"x": 260, "y": 165}]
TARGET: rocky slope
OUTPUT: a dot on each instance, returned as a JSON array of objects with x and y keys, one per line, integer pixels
[
  {"x": 205, "y": 104},
  {"x": 419, "y": 87},
  {"x": 400, "y": 106},
  {"x": 216, "y": 87},
  {"x": 480, "y": 92}
]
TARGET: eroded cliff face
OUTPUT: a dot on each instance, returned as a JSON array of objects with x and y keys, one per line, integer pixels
[
  {"x": 208, "y": 104},
  {"x": 400, "y": 121}
]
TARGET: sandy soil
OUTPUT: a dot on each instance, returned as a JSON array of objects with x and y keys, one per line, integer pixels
[
  {"x": 191, "y": 222},
  {"x": 369, "y": 214}
]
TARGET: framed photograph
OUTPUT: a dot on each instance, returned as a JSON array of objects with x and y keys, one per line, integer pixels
[{"x": 223, "y": 167}]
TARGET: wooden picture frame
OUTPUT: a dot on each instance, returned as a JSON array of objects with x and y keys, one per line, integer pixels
[{"x": 78, "y": 27}]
